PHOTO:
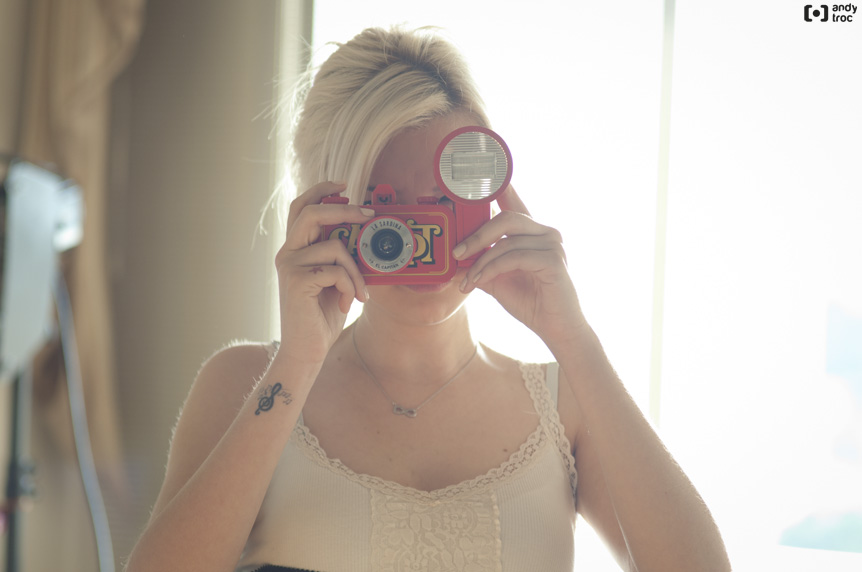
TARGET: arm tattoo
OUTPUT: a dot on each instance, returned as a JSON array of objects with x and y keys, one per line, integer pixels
[{"x": 266, "y": 397}]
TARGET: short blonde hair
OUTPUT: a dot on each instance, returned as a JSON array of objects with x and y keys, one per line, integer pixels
[{"x": 371, "y": 88}]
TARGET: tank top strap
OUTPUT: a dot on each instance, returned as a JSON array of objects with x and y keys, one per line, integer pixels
[
  {"x": 543, "y": 384},
  {"x": 552, "y": 380}
]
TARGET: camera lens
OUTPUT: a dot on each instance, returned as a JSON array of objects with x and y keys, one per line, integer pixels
[{"x": 387, "y": 244}]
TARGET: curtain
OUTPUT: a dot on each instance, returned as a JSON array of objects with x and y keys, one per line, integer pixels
[{"x": 73, "y": 51}]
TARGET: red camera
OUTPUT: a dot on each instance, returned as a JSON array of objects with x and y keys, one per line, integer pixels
[{"x": 412, "y": 244}]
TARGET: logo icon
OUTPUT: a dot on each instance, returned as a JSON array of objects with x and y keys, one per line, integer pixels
[{"x": 821, "y": 13}]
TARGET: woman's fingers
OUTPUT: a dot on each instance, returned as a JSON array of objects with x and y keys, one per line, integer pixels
[
  {"x": 318, "y": 278},
  {"x": 523, "y": 242},
  {"x": 531, "y": 261},
  {"x": 507, "y": 223},
  {"x": 511, "y": 201},
  {"x": 511, "y": 241},
  {"x": 526, "y": 253},
  {"x": 312, "y": 197},
  {"x": 307, "y": 216},
  {"x": 308, "y": 224},
  {"x": 329, "y": 253}
]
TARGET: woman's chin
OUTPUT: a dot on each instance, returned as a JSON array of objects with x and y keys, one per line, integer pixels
[
  {"x": 428, "y": 288},
  {"x": 420, "y": 303}
]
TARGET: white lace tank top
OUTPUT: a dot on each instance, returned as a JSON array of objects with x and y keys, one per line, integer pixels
[{"x": 319, "y": 515}]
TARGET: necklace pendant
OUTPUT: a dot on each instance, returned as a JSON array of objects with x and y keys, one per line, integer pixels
[{"x": 398, "y": 410}]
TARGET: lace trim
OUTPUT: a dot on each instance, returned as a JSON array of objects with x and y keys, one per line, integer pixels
[
  {"x": 534, "y": 378},
  {"x": 520, "y": 458},
  {"x": 550, "y": 425}
]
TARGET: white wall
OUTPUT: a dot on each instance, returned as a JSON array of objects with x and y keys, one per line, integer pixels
[{"x": 192, "y": 170}]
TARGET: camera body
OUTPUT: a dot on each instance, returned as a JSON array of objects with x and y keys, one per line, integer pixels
[
  {"x": 402, "y": 244},
  {"x": 412, "y": 244}
]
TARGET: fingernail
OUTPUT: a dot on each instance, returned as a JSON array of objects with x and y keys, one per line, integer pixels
[
  {"x": 459, "y": 250},
  {"x": 463, "y": 284},
  {"x": 476, "y": 277},
  {"x": 367, "y": 212},
  {"x": 340, "y": 183},
  {"x": 367, "y": 295}
]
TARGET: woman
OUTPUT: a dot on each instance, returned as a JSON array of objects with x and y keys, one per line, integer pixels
[{"x": 398, "y": 442}]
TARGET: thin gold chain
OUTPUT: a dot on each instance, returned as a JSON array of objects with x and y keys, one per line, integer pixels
[{"x": 397, "y": 409}]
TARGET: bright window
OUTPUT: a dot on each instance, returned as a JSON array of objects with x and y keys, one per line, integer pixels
[
  {"x": 762, "y": 384},
  {"x": 758, "y": 353}
]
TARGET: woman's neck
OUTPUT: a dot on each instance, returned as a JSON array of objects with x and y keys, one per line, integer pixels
[{"x": 411, "y": 353}]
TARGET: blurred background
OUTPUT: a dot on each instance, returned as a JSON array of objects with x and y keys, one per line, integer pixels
[{"x": 702, "y": 160}]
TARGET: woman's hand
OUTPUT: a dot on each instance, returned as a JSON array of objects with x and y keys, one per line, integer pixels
[
  {"x": 317, "y": 281},
  {"x": 525, "y": 270}
]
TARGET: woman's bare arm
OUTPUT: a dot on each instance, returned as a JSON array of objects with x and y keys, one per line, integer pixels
[
  {"x": 629, "y": 486},
  {"x": 232, "y": 430},
  {"x": 224, "y": 452}
]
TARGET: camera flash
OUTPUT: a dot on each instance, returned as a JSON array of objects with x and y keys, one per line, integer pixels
[{"x": 473, "y": 165}]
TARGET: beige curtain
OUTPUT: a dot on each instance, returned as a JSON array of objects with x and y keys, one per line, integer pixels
[{"x": 73, "y": 50}]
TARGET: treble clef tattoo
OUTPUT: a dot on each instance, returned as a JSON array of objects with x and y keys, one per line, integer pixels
[{"x": 265, "y": 402}]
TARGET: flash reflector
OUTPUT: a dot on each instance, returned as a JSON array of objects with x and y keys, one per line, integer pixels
[{"x": 473, "y": 165}]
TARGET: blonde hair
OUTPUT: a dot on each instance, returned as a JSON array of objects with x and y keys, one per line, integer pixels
[{"x": 371, "y": 88}]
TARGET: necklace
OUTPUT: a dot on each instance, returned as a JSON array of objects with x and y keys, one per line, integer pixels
[{"x": 397, "y": 409}]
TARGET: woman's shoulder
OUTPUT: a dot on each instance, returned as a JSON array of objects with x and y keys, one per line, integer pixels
[
  {"x": 515, "y": 367},
  {"x": 245, "y": 351},
  {"x": 220, "y": 388},
  {"x": 241, "y": 362},
  {"x": 225, "y": 379}
]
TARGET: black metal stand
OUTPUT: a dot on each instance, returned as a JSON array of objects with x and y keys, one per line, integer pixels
[{"x": 20, "y": 485}]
